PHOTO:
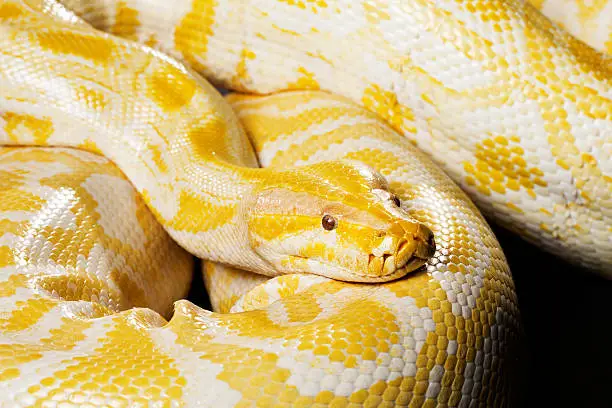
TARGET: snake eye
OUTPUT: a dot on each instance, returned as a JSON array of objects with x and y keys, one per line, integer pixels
[
  {"x": 396, "y": 201},
  {"x": 329, "y": 222}
]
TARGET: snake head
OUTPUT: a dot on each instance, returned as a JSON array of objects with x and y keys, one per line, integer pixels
[{"x": 339, "y": 220}]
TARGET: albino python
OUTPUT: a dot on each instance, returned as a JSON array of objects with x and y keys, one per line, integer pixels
[{"x": 514, "y": 109}]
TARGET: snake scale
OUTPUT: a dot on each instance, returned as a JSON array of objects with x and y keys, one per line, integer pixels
[{"x": 117, "y": 159}]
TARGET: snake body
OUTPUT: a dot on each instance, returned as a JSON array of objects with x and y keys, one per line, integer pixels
[
  {"x": 525, "y": 133},
  {"x": 587, "y": 20},
  {"x": 85, "y": 277},
  {"x": 186, "y": 153}
]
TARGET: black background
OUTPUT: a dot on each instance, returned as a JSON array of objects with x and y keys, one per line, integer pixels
[{"x": 566, "y": 313}]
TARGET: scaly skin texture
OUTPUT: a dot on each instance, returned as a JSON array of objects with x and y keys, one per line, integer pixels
[
  {"x": 444, "y": 337},
  {"x": 589, "y": 20},
  {"x": 81, "y": 306},
  {"x": 172, "y": 134},
  {"x": 514, "y": 109},
  {"x": 72, "y": 261}
]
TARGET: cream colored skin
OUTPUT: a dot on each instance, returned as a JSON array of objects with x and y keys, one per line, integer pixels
[
  {"x": 442, "y": 337},
  {"x": 590, "y": 21},
  {"x": 525, "y": 133},
  {"x": 184, "y": 151},
  {"x": 446, "y": 336},
  {"x": 74, "y": 332}
]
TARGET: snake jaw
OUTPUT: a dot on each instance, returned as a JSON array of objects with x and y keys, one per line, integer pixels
[{"x": 404, "y": 255}]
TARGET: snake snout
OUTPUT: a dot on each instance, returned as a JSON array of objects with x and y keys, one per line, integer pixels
[{"x": 398, "y": 256}]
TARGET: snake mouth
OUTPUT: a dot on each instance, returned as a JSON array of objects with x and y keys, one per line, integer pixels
[{"x": 409, "y": 255}]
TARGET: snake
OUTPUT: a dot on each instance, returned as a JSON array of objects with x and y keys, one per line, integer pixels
[{"x": 344, "y": 265}]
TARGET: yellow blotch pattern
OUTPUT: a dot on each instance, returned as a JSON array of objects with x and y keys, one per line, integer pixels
[
  {"x": 90, "y": 146},
  {"x": 157, "y": 156},
  {"x": 284, "y": 286},
  {"x": 383, "y": 161},
  {"x": 582, "y": 22},
  {"x": 122, "y": 284},
  {"x": 170, "y": 88},
  {"x": 117, "y": 293},
  {"x": 313, "y": 5},
  {"x": 126, "y": 21},
  {"x": 500, "y": 164},
  {"x": 91, "y": 47},
  {"x": 113, "y": 374},
  {"x": 271, "y": 227},
  {"x": 94, "y": 99},
  {"x": 386, "y": 105},
  {"x": 225, "y": 285},
  {"x": 19, "y": 125},
  {"x": 469, "y": 335},
  {"x": 340, "y": 134},
  {"x": 192, "y": 33},
  {"x": 242, "y": 73},
  {"x": 307, "y": 80},
  {"x": 62, "y": 338},
  {"x": 9, "y": 373},
  {"x": 278, "y": 127},
  {"x": 587, "y": 173},
  {"x": 585, "y": 60},
  {"x": 592, "y": 103},
  {"x": 362, "y": 330},
  {"x": 10, "y": 11},
  {"x": 588, "y": 9},
  {"x": 488, "y": 11},
  {"x": 27, "y": 201},
  {"x": 190, "y": 219},
  {"x": 537, "y": 3},
  {"x": 259, "y": 390},
  {"x": 288, "y": 286},
  {"x": 208, "y": 140},
  {"x": 257, "y": 298},
  {"x": 376, "y": 12},
  {"x": 26, "y": 313},
  {"x": 9, "y": 287}
]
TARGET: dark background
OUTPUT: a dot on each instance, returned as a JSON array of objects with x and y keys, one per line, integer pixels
[{"x": 566, "y": 314}]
